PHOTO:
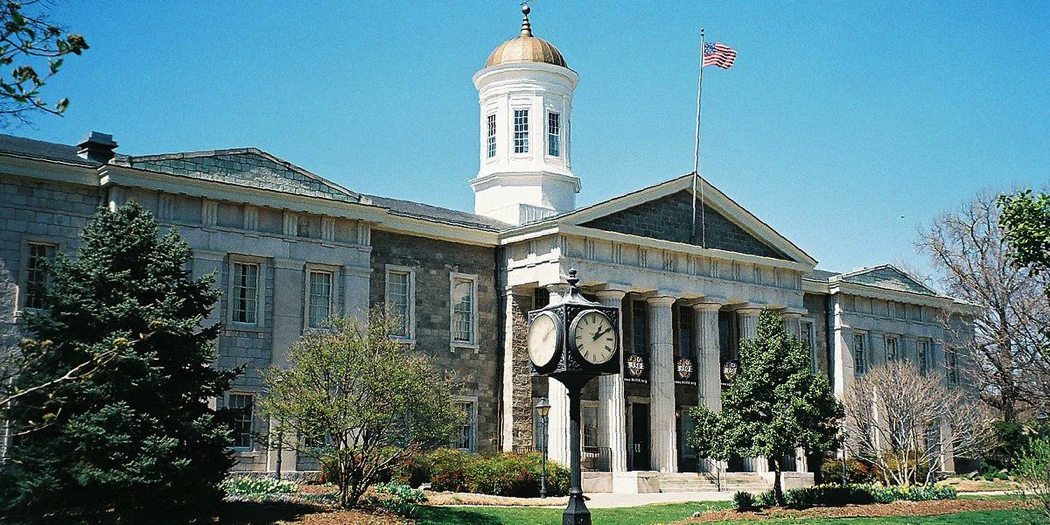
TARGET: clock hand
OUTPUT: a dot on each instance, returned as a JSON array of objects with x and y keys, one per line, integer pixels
[{"x": 601, "y": 333}]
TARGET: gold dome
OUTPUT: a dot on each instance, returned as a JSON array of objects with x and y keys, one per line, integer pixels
[{"x": 526, "y": 48}]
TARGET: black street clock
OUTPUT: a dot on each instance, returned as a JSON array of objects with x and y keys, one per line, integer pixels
[
  {"x": 574, "y": 337},
  {"x": 573, "y": 341}
]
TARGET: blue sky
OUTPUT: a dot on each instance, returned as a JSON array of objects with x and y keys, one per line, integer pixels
[{"x": 844, "y": 125}]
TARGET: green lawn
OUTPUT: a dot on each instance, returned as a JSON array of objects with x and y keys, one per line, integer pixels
[{"x": 669, "y": 513}]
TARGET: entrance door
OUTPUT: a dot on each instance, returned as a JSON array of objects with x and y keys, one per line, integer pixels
[{"x": 640, "y": 445}]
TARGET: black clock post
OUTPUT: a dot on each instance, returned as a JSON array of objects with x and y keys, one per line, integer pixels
[{"x": 574, "y": 341}]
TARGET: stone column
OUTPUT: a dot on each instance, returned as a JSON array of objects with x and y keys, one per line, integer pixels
[
  {"x": 517, "y": 380},
  {"x": 288, "y": 300},
  {"x": 558, "y": 396},
  {"x": 661, "y": 385},
  {"x": 612, "y": 411},
  {"x": 708, "y": 361},
  {"x": 748, "y": 319}
]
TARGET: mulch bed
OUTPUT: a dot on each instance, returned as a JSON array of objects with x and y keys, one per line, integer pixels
[{"x": 898, "y": 508}]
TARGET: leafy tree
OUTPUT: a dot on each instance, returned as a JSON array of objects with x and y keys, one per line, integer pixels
[
  {"x": 774, "y": 405},
  {"x": 970, "y": 253},
  {"x": 34, "y": 50},
  {"x": 358, "y": 401},
  {"x": 1034, "y": 474},
  {"x": 137, "y": 433},
  {"x": 1026, "y": 224}
]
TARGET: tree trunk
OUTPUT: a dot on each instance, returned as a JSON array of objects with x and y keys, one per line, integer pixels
[{"x": 778, "y": 490}]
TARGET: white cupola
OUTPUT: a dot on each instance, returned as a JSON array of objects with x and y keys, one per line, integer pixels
[{"x": 525, "y": 94}]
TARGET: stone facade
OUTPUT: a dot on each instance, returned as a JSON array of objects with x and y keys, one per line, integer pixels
[{"x": 669, "y": 219}]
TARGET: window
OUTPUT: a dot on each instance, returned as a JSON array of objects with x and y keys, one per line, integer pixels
[
  {"x": 553, "y": 134},
  {"x": 400, "y": 299},
  {"x": 860, "y": 364},
  {"x": 521, "y": 131},
  {"x": 805, "y": 333},
  {"x": 685, "y": 331},
  {"x": 464, "y": 308},
  {"x": 491, "y": 141},
  {"x": 688, "y": 427},
  {"x": 640, "y": 327},
  {"x": 245, "y": 293},
  {"x": 891, "y": 349},
  {"x": 320, "y": 304},
  {"x": 590, "y": 424},
  {"x": 924, "y": 357},
  {"x": 242, "y": 405},
  {"x": 541, "y": 297},
  {"x": 36, "y": 273},
  {"x": 951, "y": 365},
  {"x": 468, "y": 426}
]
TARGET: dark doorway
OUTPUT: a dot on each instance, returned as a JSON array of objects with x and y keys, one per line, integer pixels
[{"x": 640, "y": 447}]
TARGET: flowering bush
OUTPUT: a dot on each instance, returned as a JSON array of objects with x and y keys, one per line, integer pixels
[
  {"x": 837, "y": 495},
  {"x": 501, "y": 474},
  {"x": 256, "y": 486}
]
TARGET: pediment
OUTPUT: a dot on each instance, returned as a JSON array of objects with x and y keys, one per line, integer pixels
[
  {"x": 886, "y": 276},
  {"x": 248, "y": 167},
  {"x": 665, "y": 212}
]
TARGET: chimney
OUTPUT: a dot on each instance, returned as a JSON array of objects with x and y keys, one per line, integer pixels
[{"x": 97, "y": 147}]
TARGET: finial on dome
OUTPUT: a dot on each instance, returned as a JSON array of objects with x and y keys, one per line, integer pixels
[{"x": 526, "y": 28}]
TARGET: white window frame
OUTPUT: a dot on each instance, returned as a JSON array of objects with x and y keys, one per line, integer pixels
[
  {"x": 514, "y": 130},
  {"x": 453, "y": 277},
  {"x": 231, "y": 288},
  {"x": 896, "y": 347},
  {"x": 812, "y": 342},
  {"x": 22, "y": 291},
  {"x": 491, "y": 142},
  {"x": 316, "y": 268},
  {"x": 410, "y": 337},
  {"x": 924, "y": 355},
  {"x": 865, "y": 352},
  {"x": 251, "y": 428},
  {"x": 473, "y": 400},
  {"x": 556, "y": 143}
]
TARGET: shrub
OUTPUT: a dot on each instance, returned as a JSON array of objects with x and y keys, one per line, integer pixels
[
  {"x": 767, "y": 499},
  {"x": 501, "y": 474},
  {"x": 413, "y": 470},
  {"x": 743, "y": 501},
  {"x": 837, "y": 495},
  {"x": 398, "y": 498},
  {"x": 1033, "y": 470},
  {"x": 447, "y": 470},
  {"x": 857, "y": 472},
  {"x": 256, "y": 486}
]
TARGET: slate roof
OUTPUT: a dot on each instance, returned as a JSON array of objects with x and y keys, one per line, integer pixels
[
  {"x": 821, "y": 275},
  {"x": 39, "y": 149},
  {"x": 435, "y": 213}
]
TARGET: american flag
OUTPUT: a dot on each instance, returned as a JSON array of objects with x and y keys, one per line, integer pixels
[{"x": 719, "y": 54}]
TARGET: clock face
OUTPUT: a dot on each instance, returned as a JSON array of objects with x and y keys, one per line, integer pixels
[
  {"x": 595, "y": 337},
  {"x": 544, "y": 337}
]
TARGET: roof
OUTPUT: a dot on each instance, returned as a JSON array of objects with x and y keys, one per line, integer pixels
[
  {"x": 39, "y": 149},
  {"x": 821, "y": 275},
  {"x": 886, "y": 276},
  {"x": 438, "y": 214}
]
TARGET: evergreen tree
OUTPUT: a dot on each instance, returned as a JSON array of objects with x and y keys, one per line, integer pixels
[
  {"x": 136, "y": 434},
  {"x": 774, "y": 405}
]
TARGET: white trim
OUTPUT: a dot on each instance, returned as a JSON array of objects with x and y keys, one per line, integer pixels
[
  {"x": 308, "y": 269},
  {"x": 260, "y": 295},
  {"x": 410, "y": 337},
  {"x": 453, "y": 343}
]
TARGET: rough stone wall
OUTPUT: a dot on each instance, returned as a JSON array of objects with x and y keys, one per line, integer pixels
[
  {"x": 521, "y": 376},
  {"x": 433, "y": 260},
  {"x": 670, "y": 219}
]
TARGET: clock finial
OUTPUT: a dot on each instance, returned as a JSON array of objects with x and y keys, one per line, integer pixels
[{"x": 572, "y": 280}]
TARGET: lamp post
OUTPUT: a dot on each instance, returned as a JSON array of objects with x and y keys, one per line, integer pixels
[
  {"x": 542, "y": 409},
  {"x": 842, "y": 445}
]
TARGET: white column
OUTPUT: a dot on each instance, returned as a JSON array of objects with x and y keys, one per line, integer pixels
[
  {"x": 558, "y": 396},
  {"x": 748, "y": 318},
  {"x": 708, "y": 361},
  {"x": 661, "y": 385},
  {"x": 612, "y": 411},
  {"x": 794, "y": 329}
]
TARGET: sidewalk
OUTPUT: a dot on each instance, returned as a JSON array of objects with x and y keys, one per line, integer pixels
[{"x": 598, "y": 500}]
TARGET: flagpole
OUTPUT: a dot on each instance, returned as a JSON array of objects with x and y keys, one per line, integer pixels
[{"x": 696, "y": 146}]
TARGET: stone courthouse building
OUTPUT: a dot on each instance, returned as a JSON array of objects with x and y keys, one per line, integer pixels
[{"x": 291, "y": 248}]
